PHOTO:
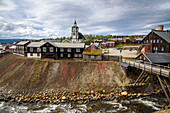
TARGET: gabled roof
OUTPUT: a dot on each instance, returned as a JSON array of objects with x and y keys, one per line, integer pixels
[
  {"x": 164, "y": 34},
  {"x": 36, "y": 44},
  {"x": 70, "y": 45},
  {"x": 22, "y": 43},
  {"x": 157, "y": 58}
]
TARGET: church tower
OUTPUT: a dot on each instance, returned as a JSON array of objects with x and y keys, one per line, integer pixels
[{"x": 75, "y": 31}]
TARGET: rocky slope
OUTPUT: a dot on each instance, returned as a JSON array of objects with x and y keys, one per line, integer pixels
[{"x": 19, "y": 73}]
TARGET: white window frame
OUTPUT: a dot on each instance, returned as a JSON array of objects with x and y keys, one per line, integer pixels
[
  {"x": 61, "y": 49},
  {"x": 61, "y": 55},
  {"x": 157, "y": 40},
  {"x": 69, "y": 50},
  {"x": 56, "y": 50},
  {"x": 44, "y": 49},
  {"x": 69, "y": 55},
  {"x": 31, "y": 49},
  {"x": 80, "y": 55},
  {"x": 162, "y": 49},
  {"x": 146, "y": 41},
  {"x": 76, "y": 55},
  {"x": 51, "y": 49},
  {"x": 78, "y": 50},
  {"x": 161, "y": 41},
  {"x": 153, "y": 41},
  {"x": 38, "y": 49}
]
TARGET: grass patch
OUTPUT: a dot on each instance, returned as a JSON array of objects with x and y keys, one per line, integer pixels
[{"x": 36, "y": 75}]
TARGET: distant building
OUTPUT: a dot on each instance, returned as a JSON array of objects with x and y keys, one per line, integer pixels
[
  {"x": 93, "y": 46},
  {"x": 108, "y": 44},
  {"x": 159, "y": 39},
  {"x": 76, "y": 35},
  {"x": 92, "y": 54},
  {"x": 21, "y": 47}
]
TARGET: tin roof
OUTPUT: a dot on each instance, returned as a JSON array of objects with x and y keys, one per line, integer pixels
[
  {"x": 157, "y": 57},
  {"x": 70, "y": 45},
  {"x": 164, "y": 34},
  {"x": 36, "y": 44},
  {"x": 22, "y": 43}
]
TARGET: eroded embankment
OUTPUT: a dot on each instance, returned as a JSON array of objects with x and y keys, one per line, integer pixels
[{"x": 24, "y": 74}]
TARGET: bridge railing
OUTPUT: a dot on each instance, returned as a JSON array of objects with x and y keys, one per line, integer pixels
[{"x": 156, "y": 69}]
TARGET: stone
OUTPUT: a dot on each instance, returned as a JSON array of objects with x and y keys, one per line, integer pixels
[
  {"x": 63, "y": 98},
  {"x": 124, "y": 93}
]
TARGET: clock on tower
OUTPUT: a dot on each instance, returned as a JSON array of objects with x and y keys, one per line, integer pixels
[{"x": 75, "y": 30}]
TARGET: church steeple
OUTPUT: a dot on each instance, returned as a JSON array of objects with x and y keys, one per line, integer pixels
[
  {"x": 75, "y": 31},
  {"x": 75, "y": 23}
]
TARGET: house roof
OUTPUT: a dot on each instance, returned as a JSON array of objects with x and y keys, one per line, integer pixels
[
  {"x": 13, "y": 47},
  {"x": 22, "y": 43},
  {"x": 92, "y": 52},
  {"x": 36, "y": 44},
  {"x": 164, "y": 34},
  {"x": 69, "y": 45},
  {"x": 157, "y": 57}
]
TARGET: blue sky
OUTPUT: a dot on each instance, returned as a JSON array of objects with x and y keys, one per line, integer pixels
[{"x": 54, "y": 18}]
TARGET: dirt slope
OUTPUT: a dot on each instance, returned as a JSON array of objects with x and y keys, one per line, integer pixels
[{"x": 25, "y": 74}]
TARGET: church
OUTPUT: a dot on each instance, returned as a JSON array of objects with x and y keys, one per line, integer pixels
[{"x": 76, "y": 35}]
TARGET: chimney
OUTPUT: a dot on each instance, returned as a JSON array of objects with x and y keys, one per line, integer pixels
[{"x": 161, "y": 27}]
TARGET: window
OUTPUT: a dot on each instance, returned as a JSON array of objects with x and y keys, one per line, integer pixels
[
  {"x": 144, "y": 58},
  {"x": 69, "y": 55},
  {"x": 153, "y": 41},
  {"x": 161, "y": 41},
  {"x": 162, "y": 49},
  {"x": 146, "y": 41},
  {"x": 56, "y": 50},
  {"x": 61, "y": 55},
  {"x": 51, "y": 49},
  {"x": 31, "y": 54},
  {"x": 38, "y": 54},
  {"x": 61, "y": 49},
  {"x": 31, "y": 49},
  {"x": 44, "y": 49},
  {"x": 80, "y": 55},
  {"x": 149, "y": 47},
  {"x": 77, "y": 50},
  {"x": 156, "y": 48},
  {"x": 76, "y": 55},
  {"x": 153, "y": 48},
  {"x": 69, "y": 50},
  {"x": 38, "y": 49},
  {"x": 158, "y": 41}
]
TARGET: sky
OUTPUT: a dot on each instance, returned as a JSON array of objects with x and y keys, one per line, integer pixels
[{"x": 54, "y": 18}]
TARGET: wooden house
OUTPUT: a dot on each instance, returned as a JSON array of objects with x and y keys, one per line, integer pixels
[
  {"x": 55, "y": 50},
  {"x": 93, "y": 46},
  {"x": 108, "y": 44},
  {"x": 21, "y": 47},
  {"x": 92, "y": 54},
  {"x": 159, "y": 39},
  {"x": 155, "y": 58}
]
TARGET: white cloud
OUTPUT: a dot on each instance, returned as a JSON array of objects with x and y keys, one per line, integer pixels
[{"x": 51, "y": 18}]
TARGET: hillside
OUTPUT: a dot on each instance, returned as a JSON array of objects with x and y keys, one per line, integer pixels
[{"x": 19, "y": 73}]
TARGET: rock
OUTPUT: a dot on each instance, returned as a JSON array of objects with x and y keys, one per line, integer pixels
[
  {"x": 63, "y": 98},
  {"x": 124, "y": 93}
]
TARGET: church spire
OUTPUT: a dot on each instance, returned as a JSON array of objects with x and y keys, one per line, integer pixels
[{"x": 75, "y": 23}]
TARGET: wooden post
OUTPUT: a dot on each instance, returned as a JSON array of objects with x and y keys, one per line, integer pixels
[{"x": 163, "y": 88}]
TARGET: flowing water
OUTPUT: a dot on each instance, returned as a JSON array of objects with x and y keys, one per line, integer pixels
[{"x": 145, "y": 104}]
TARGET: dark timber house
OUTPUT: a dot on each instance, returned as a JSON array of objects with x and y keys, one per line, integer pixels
[
  {"x": 55, "y": 50},
  {"x": 159, "y": 39},
  {"x": 21, "y": 47}
]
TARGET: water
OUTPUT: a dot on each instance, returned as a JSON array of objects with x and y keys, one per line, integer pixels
[
  {"x": 144, "y": 104},
  {"x": 11, "y": 40}
]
